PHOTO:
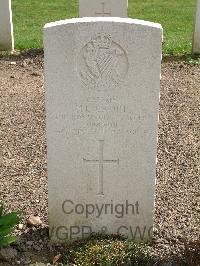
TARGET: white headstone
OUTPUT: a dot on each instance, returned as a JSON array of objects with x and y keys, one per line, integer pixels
[
  {"x": 6, "y": 26},
  {"x": 196, "y": 39},
  {"x": 102, "y": 100},
  {"x": 103, "y": 8}
]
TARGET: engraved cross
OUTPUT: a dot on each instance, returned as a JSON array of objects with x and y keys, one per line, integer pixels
[
  {"x": 101, "y": 163},
  {"x": 103, "y": 12}
]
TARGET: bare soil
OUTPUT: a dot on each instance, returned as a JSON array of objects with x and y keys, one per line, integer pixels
[{"x": 23, "y": 175}]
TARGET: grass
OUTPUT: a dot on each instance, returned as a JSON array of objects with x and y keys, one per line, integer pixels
[
  {"x": 176, "y": 17},
  {"x": 30, "y": 16}
]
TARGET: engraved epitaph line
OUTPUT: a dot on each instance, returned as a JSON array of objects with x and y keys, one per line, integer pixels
[
  {"x": 101, "y": 163},
  {"x": 103, "y": 12}
]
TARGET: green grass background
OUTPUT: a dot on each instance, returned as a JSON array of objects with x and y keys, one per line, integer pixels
[{"x": 176, "y": 17}]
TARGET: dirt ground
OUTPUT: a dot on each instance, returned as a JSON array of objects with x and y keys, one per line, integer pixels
[{"x": 23, "y": 175}]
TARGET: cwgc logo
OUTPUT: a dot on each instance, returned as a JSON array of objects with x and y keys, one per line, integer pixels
[{"x": 102, "y": 62}]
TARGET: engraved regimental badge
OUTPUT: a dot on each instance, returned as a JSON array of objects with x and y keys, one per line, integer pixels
[{"x": 102, "y": 62}]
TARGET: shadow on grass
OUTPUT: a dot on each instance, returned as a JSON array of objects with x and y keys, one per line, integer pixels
[{"x": 34, "y": 52}]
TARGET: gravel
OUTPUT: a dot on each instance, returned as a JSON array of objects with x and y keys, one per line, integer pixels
[{"x": 23, "y": 175}]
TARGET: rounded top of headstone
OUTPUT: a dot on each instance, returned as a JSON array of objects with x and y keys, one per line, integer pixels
[{"x": 103, "y": 19}]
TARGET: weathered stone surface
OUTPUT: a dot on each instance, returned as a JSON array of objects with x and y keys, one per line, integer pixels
[
  {"x": 106, "y": 8},
  {"x": 196, "y": 38},
  {"x": 6, "y": 26},
  {"x": 102, "y": 100}
]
